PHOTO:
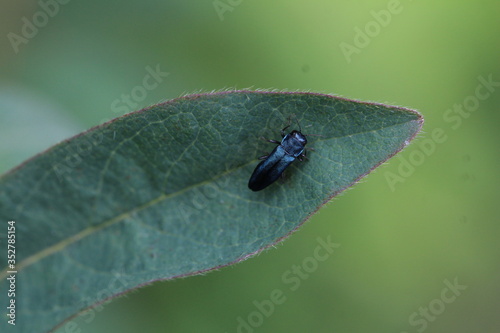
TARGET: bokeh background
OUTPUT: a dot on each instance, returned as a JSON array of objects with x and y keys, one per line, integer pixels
[{"x": 426, "y": 220}]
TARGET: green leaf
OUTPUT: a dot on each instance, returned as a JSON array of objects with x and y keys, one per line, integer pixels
[{"x": 162, "y": 193}]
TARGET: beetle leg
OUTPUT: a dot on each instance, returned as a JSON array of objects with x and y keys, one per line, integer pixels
[
  {"x": 270, "y": 140},
  {"x": 283, "y": 134},
  {"x": 263, "y": 157},
  {"x": 303, "y": 155}
]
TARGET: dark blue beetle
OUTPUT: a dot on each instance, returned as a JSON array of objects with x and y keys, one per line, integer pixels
[{"x": 270, "y": 169}]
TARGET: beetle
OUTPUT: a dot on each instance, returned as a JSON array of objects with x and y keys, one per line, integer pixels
[{"x": 290, "y": 148}]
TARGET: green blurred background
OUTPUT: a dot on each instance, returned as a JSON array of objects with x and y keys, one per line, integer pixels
[{"x": 422, "y": 222}]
